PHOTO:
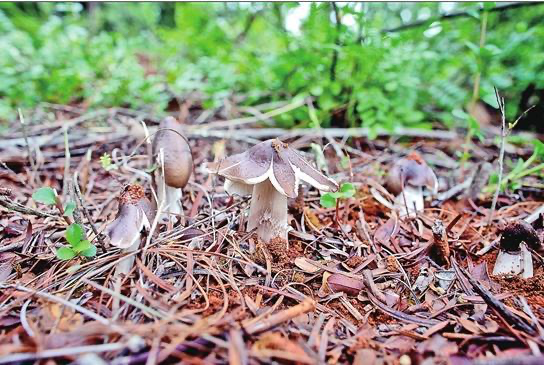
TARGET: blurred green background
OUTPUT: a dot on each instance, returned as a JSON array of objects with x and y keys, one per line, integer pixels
[{"x": 369, "y": 64}]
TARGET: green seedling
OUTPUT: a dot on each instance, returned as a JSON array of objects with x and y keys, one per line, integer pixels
[
  {"x": 78, "y": 245},
  {"x": 49, "y": 196},
  {"x": 523, "y": 168},
  {"x": 330, "y": 200},
  {"x": 105, "y": 161},
  {"x": 75, "y": 235}
]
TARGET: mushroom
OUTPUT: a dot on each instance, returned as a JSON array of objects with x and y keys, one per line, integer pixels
[
  {"x": 271, "y": 172},
  {"x": 406, "y": 179},
  {"x": 134, "y": 214},
  {"x": 514, "y": 257},
  {"x": 173, "y": 155}
]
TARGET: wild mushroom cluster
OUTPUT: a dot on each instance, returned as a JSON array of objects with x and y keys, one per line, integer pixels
[{"x": 271, "y": 172}]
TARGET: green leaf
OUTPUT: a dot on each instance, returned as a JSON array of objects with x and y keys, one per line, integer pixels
[
  {"x": 81, "y": 246},
  {"x": 347, "y": 190},
  {"x": 539, "y": 149},
  {"x": 74, "y": 234},
  {"x": 69, "y": 209},
  {"x": 90, "y": 252},
  {"x": 327, "y": 200},
  {"x": 65, "y": 253},
  {"x": 489, "y": 5},
  {"x": 45, "y": 195}
]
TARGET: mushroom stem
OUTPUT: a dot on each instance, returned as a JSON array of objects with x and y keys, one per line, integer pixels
[
  {"x": 172, "y": 201},
  {"x": 268, "y": 212},
  {"x": 514, "y": 263},
  {"x": 121, "y": 270},
  {"x": 410, "y": 201}
]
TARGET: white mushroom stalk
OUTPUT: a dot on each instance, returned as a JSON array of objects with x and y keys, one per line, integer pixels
[
  {"x": 407, "y": 179},
  {"x": 173, "y": 156},
  {"x": 271, "y": 172},
  {"x": 514, "y": 258},
  {"x": 134, "y": 215}
]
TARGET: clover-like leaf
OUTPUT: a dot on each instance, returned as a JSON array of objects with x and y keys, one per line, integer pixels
[
  {"x": 328, "y": 200},
  {"x": 81, "y": 246},
  {"x": 74, "y": 234},
  {"x": 65, "y": 253},
  {"x": 90, "y": 252},
  {"x": 45, "y": 195}
]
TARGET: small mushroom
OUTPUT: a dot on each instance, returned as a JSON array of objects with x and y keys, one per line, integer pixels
[
  {"x": 134, "y": 214},
  {"x": 271, "y": 172},
  {"x": 171, "y": 150},
  {"x": 514, "y": 257},
  {"x": 406, "y": 179}
]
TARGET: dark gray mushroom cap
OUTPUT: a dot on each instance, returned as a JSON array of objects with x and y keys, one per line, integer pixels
[
  {"x": 135, "y": 212},
  {"x": 178, "y": 160},
  {"x": 274, "y": 160},
  {"x": 411, "y": 170}
]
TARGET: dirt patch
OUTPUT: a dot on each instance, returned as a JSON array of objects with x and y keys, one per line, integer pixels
[{"x": 532, "y": 289}]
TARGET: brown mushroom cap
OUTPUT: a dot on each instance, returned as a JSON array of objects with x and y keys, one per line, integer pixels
[
  {"x": 178, "y": 160},
  {"x": 411, "y": 170},
  {"x": 135, "y": 212},
  {"x": 274, "y": 160}
]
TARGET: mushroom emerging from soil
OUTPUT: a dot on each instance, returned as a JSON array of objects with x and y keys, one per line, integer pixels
[
  {"x": 271, "y": 172},
  {"x": 514, "y": 257},
  {"x": 406, "y": 179},
  {"x": 173, "y": 153},
  {"x": 134, "y": 214}
]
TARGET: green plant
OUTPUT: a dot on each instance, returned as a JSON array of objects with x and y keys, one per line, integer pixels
[
  {"x": 75, "y": 235},
  {"x": 522, "y": 168},
  {"x": 330, "y": 200},
  {"x": 48, "y": 196},
  {"x": 77, "y": 244},
  {"x": 105, "y": 162}
]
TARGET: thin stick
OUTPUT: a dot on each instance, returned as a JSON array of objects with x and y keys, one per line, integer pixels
[
  {"x": 504, "y": 133},
  {"x": 16, "y": 358},
  {"x": 30, "y": 156}
]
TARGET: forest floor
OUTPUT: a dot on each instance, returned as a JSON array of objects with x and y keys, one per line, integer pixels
[{"x": 357, "y": 284}]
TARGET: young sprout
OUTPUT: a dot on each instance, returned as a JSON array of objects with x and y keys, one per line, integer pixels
[
  {"x": 271, "y": 172},
  {"x": 514, "y": 256},
  {"x": 406, "y": 179},
  {"x": 174, "y": 168}
]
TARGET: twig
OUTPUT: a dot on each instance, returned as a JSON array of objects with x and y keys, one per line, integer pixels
[
  {"x": 504, "y": 134},
  {"x": 46, "y": 354},
  {"x": 451, "y": 16},
  {"x": 67, "y": 303},
  {"x": 494, "y": 303},
  {"x": 79, "y": 197},
  {"x": 22, "y": 209},
  {"x": 29, "y": 151},
  {"x": 306, "y": 306},
  {"x": 263, "y": 133},
  {"x": 249, "y": 120}
]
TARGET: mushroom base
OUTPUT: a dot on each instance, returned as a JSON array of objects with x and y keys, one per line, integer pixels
[
  {"x": 410, "y": 201},
  {"x": 171, "y": 199},
  {"x": 268, "y": 212},
  {"x": 122, "y": 269}
]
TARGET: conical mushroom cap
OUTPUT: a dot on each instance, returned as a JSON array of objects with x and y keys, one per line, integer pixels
[
  {"x": 411, "y": 170},
  {"x": 135, "y": 213},
  {"x": 274, "y": 160},
  {"x": 178, "y": 160}
]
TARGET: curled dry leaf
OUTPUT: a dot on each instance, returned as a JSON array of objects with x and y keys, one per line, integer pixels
[
  {"x": 306, "y": 265},
  {"x": 387, "y": 231},
  {"x": 345, "y": 284}
]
